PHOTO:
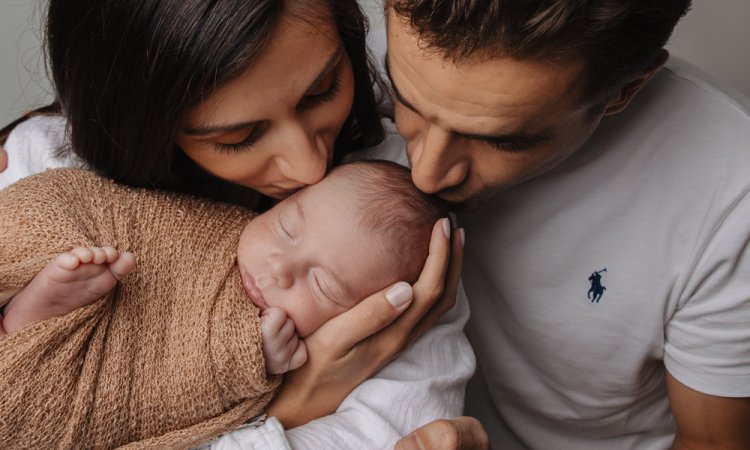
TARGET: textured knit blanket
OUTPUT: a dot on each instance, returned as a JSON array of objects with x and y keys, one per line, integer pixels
[{"x": 171, "y": 358}]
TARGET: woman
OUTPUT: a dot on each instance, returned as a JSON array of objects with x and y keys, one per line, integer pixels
[{"x": 247, "y": 102}]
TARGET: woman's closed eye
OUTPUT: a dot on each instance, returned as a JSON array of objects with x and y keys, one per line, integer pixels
[
  {"x": 327, "y": 92},
  {"x": 327, "y": 95},
  {"x": 245, "y": 143}
]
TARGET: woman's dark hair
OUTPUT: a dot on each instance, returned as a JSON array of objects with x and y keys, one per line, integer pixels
[
  {"x": 619, "y": 39},
  {"x": 125, "y": 73}
]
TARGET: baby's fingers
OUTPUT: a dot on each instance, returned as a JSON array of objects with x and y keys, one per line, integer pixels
[{"x": 272, "y": 320}]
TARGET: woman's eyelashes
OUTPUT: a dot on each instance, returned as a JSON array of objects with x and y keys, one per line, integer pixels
[
  {"x": 328, "y": 95},
  {"x": 238, "y": 147},
  {"x": 308, "y": 102}
]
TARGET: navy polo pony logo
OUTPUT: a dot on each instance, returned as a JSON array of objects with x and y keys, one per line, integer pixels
[{"x": 597, "y": 290}]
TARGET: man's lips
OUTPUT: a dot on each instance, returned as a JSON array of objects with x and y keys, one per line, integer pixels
[{"x": 252, "y": 291}]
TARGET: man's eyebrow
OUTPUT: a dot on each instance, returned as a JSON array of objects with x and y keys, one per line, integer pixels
[
  {"x": 329, "y": 65},
  {"x": 396, "y": 93},
  {"x": 208, "y": 130},
  {"x": 511, "y": 138},
  {"x": 517, "y": 138}
]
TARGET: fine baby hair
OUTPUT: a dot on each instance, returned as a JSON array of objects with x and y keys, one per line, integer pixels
[{"x": 393, "y": 206}]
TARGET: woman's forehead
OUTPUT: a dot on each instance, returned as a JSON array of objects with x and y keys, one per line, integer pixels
[{"x": 295, "y": 57}]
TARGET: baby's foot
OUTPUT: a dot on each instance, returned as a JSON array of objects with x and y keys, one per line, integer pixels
[{"x": 70, "y": 281}]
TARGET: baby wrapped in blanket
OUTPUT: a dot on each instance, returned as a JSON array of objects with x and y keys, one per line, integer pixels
[{"x": 174, "y": 354}]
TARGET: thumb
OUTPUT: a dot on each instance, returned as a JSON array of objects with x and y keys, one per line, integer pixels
[{"x": 461, "y": 433}]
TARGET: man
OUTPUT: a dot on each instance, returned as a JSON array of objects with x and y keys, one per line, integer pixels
[{"x": 524, "y": 116}]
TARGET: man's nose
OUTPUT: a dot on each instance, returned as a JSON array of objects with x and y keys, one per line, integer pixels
[
  {"x": 434, "y": 166},
  {"x": 304, "y": 160}
]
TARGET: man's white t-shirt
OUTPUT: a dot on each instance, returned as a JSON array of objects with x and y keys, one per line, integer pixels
[{"x": 630, "y": 259}]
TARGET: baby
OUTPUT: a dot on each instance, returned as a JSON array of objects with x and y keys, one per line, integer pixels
[{"x": 201, "y": 266}]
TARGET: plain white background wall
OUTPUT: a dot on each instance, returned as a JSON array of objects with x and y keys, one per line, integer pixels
[
  {"x": 23, "y": 82},
  {"x": 713, "y": 36}
]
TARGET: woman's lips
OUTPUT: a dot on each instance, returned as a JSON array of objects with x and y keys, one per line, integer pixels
[{"x": 252, "y": 291}]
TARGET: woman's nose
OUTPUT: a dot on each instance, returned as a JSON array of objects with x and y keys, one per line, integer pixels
[
  {"x": 304, "y": 160},
  {"x": 435, "y": 164}
]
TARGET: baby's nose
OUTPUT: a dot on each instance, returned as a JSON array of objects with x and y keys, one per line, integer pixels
[{"x": 280, "y": 271}]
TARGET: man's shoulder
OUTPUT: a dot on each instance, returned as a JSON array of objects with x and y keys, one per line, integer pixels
[
  {"x": 693, "y": 94},
  {"x": 681, "y": 111},
  {"x": 701, "y": 81}
]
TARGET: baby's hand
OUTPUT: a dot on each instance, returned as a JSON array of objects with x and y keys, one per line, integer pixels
[{"x": 283, "y": 350}]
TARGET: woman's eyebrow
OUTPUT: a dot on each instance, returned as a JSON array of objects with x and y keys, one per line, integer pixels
[
  {"x": 209, "y": 130},
  {"x": 330, "y": 64},
  {"x": 219, "y": 129}
]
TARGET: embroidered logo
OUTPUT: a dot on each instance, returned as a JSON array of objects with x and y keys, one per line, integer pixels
[{"x": 597, "y": 290}]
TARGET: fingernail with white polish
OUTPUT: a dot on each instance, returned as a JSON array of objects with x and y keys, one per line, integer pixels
[
  {"x": 399, "y": 294},
  {"x": 446, "y": 228}
]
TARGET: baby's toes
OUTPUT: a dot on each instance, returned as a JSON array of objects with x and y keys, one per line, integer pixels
[
  {"x": 67, "y": 261},
  {"x": 111, "y": 254},
  {"x": 100, "y": 256},
  {"x": 84, "y": 254},
  {"x": 122, "y": 265}
]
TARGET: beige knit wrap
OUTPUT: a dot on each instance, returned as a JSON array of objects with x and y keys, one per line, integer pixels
[{"x": 170, "y": 359}]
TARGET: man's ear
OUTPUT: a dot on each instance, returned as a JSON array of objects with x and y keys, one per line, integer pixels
[{"x": 628, "y": 91}]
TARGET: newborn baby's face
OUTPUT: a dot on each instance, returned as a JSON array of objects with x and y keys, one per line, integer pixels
[{"x": 310, "y": 256}]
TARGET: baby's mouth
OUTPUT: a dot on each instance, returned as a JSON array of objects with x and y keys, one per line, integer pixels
[{"x": 252, "y": 291}]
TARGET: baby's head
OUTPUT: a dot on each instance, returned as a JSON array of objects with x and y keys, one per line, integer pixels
[{"x": 319, "y": 252}]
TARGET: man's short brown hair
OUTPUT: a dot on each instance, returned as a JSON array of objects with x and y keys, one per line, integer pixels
[{"x": 618, "y": 39}]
